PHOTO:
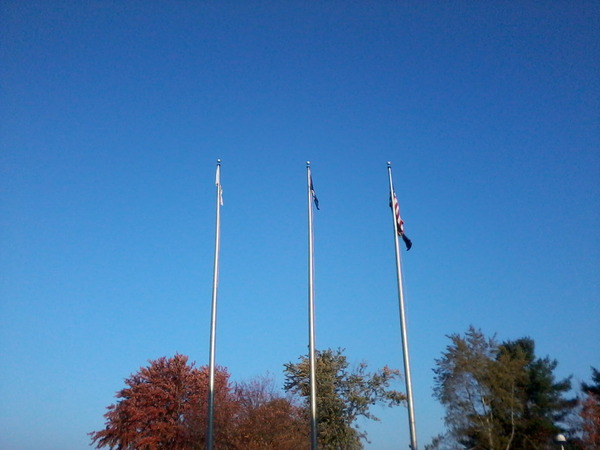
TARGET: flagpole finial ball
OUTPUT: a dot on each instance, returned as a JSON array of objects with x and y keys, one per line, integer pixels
[
  {"x": 389, "y": 163},
  {"x": 219, "y": 161},
  {"x": 308, "y": 163}
]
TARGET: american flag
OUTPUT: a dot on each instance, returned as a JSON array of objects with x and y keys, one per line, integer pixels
[{"x": 399, "y": 222}]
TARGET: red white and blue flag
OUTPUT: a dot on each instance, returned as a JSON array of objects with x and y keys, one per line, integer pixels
[{"x": 399, "y": 222}]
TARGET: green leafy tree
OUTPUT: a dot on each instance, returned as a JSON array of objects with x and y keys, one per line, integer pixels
[
  {"x": 478, "y": 390},
  {"x": 343, "y": 395},
  {"x": 499, "y": 396}
]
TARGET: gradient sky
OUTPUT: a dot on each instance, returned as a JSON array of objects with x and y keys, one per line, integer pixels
[{"x": 112, "y": 115}]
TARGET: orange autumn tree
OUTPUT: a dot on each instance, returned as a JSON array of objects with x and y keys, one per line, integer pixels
[
  {"x": 268, "y": 421},
  {"x": 164, "y": 406}
]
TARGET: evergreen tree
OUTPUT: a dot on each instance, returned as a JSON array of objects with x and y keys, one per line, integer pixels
[
  {"x": 544, "y": 406},
  {"x": 594, "y": 387},
  {"x": 499, "y": 396}
]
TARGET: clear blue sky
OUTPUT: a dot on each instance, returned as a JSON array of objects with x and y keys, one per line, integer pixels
[{"x": 112, "y": 115}]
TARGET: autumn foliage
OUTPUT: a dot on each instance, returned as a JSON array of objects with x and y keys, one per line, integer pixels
[
  {"x": 590, "y": 412},
  {"x": 164, "y": 406},
  {"x": 268, "y": 421}
]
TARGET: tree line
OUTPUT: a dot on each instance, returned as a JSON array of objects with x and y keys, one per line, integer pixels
[
  {"x": 496, "y": 396},
  {"x": 501, "y": 396}
]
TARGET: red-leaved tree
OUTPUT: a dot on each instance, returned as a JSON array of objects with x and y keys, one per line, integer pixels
[
  {"x": 590, "y": 415},
  {"x": 590, "y": 412},
  {"x": 164, "y": 407},
  {"x": 268, "y": 421}
]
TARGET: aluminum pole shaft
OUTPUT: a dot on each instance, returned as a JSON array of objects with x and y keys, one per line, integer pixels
[
  {"x": 411, "y": 414},
  {"x": 311, "y": 317},
  {"x": 213, "y": 317}
]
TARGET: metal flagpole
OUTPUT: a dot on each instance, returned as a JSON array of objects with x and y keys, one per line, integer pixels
[
  {"x": 213, "y": 317},
  {"x": 411, "y": 413},
  {"x": 311, "y": 315}
]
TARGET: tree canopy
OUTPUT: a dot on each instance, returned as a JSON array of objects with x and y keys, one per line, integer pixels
[
  {"x": 544, "y": 407},
  {"x": 499, "y": 396},
  {"x": 590, "y": 412},
  {"x": 164, "y": 406},
  {"x": 268, "y": 421},
  {"x": 343, "y": 395},
  {"x": 594, "y": 387},
  {"x": 496, "y": 396}
]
